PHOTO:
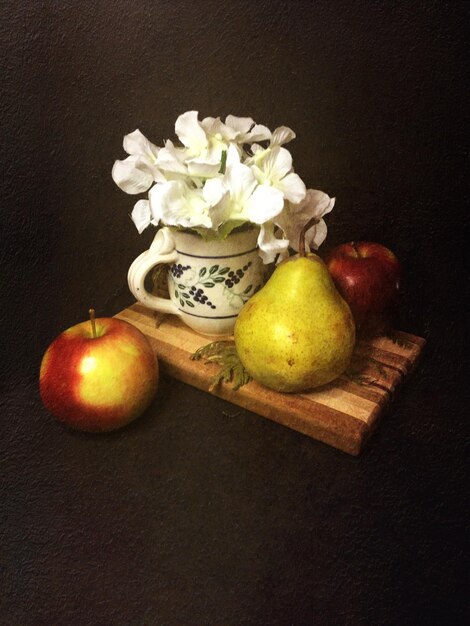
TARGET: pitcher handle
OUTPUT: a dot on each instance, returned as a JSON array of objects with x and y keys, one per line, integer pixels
[{"x": 162, "y": 250}]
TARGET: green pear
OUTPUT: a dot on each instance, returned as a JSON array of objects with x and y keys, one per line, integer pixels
[{"x": 297, "y": 332}]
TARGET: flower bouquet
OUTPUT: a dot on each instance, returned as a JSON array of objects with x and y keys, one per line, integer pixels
[{"x": 223, "y": 177}]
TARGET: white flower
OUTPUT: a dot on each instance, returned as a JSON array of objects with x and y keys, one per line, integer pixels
[
  {"x": 246, "y": 129},
  {"x": 269, "y": 245},
  {"x": 175, "y": 203},
  {"x": 141, "y": 215},
  {"x": 315, "y": 205},
  {"x": 137, "y": 143},
  {"x": 217, "y": 131},
  {"x": 201, "y": 168},
  {"x": 282, "y": 135},
  {"x": 248, "y": 200},
  {"x": 237, "y": 130},
  {"x": 191, "y": 134},
  {"x": 289, "y": 223},
  {"x": 206, "y": 140},
  {"x": 137, "y": 172},
  {"x": 171, "y": 161},
  {"x": 275, "y": 168},
  {"x": 204, "y": 143}
]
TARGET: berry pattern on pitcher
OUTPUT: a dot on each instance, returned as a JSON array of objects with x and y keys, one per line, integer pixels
[
  {"x": 193, "y": 290},
  {"x": 177, "y": 269}
]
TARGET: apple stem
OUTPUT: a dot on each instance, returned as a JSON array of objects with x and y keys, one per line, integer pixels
[
  {"x": 91, "y": 313},
  {"x": 309, "y": 224}
]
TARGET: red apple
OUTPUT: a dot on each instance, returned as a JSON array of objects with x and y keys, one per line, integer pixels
[
  {"x": 98, "y": 375},
  {"x": 367, "y": 275}
]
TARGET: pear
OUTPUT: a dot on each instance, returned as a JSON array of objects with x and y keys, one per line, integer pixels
[{"x": 297, "y": 332}]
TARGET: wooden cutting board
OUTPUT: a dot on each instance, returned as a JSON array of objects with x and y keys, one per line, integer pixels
[{"x": 342, "y": 414}]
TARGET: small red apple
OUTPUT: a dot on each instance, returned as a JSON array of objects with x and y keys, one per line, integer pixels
[
  {"x": 98, "y": 376},
  {"x": 367, "y": 275}
]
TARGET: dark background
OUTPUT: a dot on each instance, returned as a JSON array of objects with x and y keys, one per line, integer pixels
[{"x": 200, "y": 513}]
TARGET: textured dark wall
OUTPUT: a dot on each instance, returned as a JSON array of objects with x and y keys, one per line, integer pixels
[{"x": 193, "y": 518}]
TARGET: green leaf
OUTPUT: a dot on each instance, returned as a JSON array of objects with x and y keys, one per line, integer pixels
[
  {"x": 186, "y": 295},
  {"x": 223, "y": 162},
  {"x": 224, "y": 270},
  {"x": 189, "y": 303},
  {"x": 202, "y": 271},
  {"x": 181, "y": 301},
  {"x": 177, "y": 295},
  {"x": 225, "y": 229},
  {"x": 213, "y": 269},
  {"x": 219, "y": 279},
  {"x": 208, "y": 284},
  {"x": 224, "y": 354},
  {"x": 248, "y": 289}
]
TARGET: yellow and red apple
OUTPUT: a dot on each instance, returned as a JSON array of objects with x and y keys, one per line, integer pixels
[
  {"x": 367, "y": 275},
  {"x": 99, "y": 376}
]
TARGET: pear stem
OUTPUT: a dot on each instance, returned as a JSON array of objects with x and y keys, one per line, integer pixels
[
  {"x": 309, "y": 224},
  {"x": 91, "y": 313}
]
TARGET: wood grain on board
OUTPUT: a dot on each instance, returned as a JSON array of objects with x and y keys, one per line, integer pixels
[{"x": 342, "y": 414}]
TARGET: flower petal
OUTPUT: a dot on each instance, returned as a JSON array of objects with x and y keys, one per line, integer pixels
[
  {"x": 282, "y": 135},
  {"x": 315, "y": 236},
  {"x": 277, "y": 163},
  {"x": 240, "y": 181},
  {"x": 269, "y": 246},
  {"x": 176, "y": 204},
  {"x": 166, "y": 200},
  {"x": 318, "y": 202},
  {"x": 203, "y": 168},
  {"x": 220, "y": 212},
  {"x": 233, "y": 156},
  {"x": 219, "y": 130},
  {"x": 293, "y": 188},
  {"x": 264, "y": 204},
  {"x": 256, "y": 148},
  {"x": 208, "y": 124},
  {"x": 190, "y": 132},
  {"x": 156, "y": 195},
  {"x": 137, "y": 143},
  {"x": 315, "y": 205},
  {"x": 240, "y": 124},
  {"x": 141, "y": 215},
  {"x": 257, "y": 133},
  {"x": 170, "y": 159},
  {"x": 133, "y": 175},
  {"x": 213, "y": 190}
]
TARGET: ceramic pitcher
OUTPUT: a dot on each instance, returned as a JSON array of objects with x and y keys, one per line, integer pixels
[{"x": 208, "y": 281}]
